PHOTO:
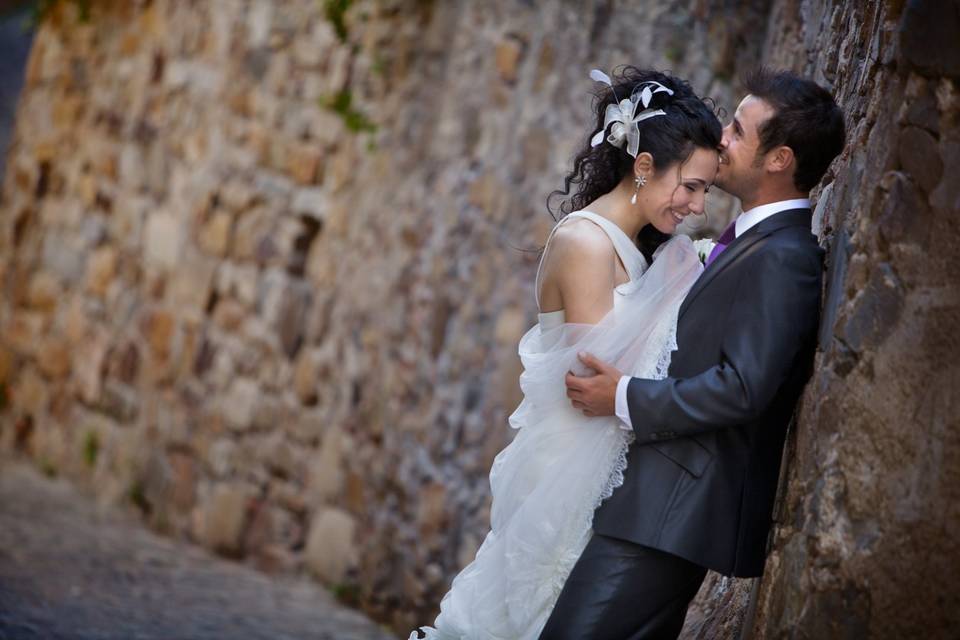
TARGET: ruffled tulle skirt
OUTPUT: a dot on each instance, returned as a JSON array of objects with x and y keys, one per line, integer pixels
[{"x": 546, "y": 485}]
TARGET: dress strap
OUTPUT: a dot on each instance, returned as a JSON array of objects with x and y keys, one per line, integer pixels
[
  {"x": 543, "y": 258},
  {"x": 625, "y": 247},
  {"x": 633, "y": 261}
]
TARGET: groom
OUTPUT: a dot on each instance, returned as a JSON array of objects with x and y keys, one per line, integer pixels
[{"x": 699, "y": 489}]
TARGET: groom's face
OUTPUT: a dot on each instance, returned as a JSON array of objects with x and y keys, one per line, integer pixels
[{"x": 741, "y": 167}]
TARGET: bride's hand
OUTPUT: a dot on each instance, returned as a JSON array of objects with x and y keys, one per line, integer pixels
[{"x": 595, "y": 394}]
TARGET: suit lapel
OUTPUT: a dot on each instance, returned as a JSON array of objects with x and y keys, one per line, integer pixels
[{"x": 740, "y": 246}]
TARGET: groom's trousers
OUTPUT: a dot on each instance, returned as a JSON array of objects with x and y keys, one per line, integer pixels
[{"x": 619, "y": 590}]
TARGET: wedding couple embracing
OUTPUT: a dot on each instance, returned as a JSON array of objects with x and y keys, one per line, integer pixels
[{"x": 659, "y": 381}]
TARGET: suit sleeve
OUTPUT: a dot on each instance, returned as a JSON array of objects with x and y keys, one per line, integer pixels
[{"x": 774, "y": 315}]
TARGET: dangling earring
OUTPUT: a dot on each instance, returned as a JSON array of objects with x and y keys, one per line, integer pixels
[{"x": 639, "y": 181}]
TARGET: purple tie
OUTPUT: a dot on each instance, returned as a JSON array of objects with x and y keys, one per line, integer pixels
[{"x": 725, "y": 238}]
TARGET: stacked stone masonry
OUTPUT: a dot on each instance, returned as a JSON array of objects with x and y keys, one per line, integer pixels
[{"x": 264, "y": 274}]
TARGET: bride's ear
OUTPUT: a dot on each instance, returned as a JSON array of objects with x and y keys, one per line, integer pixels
[{"x": 643, "y": 165}]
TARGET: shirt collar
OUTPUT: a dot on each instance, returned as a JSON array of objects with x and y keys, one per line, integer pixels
[{"x": 747, "y": 219}]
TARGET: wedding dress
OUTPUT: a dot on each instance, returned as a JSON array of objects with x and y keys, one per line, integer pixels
[{"x": 548, "y": 481}]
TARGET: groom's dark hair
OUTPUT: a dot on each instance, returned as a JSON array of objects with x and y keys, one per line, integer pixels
[{"x": 805, "y": 118}]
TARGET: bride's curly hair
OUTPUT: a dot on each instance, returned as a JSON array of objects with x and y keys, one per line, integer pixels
[{"x": 689, "y": 123}]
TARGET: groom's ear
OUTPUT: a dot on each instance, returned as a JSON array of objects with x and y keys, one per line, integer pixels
[{"x": 780, "y": 159}]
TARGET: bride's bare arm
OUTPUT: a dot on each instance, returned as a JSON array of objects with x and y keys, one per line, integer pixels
[{"x": 580, "y": 273}]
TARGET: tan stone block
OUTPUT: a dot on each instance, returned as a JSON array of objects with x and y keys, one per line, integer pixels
[
  {"x": 240, "y": 403},
  {"x": 189, "y": 344},
  {"x": 29, "y": 393},
  {"x": 284, "y": 309},
  {"x": 276, "y": 559},
  {"x": 229, "y": 314},
  {"x": 214, "y": 237},
  {"x": 341, "y": 169},
  {"x": 278, "y": 152},
  {"x": 190, "y": 286},
  {"x": 545, "y": 65},
  {"x": 152, "y": 22},
  {"x": 106, "y": 163},
  {"x": 537, "y": 150},
  {"x": 224, "y": 517},
  {"x": 510, "y": 327},
  {"x": 251, "y": 231},
  {"x": 44, "y": 291},
  {"x": 15, "y": 293},
  {"x": 54, "y": 357},
  {"x": 258, "y": 140},
  {"x": 87, "y": 190},
  {"x": 355, "y": 494},
  {"x": 237, "y": 195},
  {"x": 507, "y": 57},
  {"x": 487, "y": 192},
  {"x": 76, "y": 320},
  {"x": 132, "y": 168},
  {"x": 46, "y": 150},
  {"x": 158, "y": 327},
  {"x": 221, "y": 457},
  {"x": 331, "y": 545},
  {"x": 262, "y": 527},
  {"x": 163, "y": 241},
  {"x": 130, "y": 43},
  {"x": 239, "y": 281},
  {"x": 321, "y": 265},
  {"x": 312, "y": 202},
  {"x": 306, "y": 376},
  {"x": 325, "y": 477},
  {"x": 101, "y": 270},
  {"x": 239, "y": 102},
  {"x": 91, "y": 356},
  {"x": 304, "y": 163},
  {"x": 6, "y": 364},
  {"x": 432, "y": 509},
  {"x": 279, "y": 457},
  {"x": 183, "y": 481},
  {"x": 272, "y": 412},
  {"x": 23, "y": 332},
  {"x": 309, "y": 53}
]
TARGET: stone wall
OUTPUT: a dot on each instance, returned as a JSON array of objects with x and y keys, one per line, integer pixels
[
  {"x": 867, "y": 524},
  {"x": 263, "y": 278},
  {"x": 264, "y": 265},
  {"x": 869, "y": 520}
]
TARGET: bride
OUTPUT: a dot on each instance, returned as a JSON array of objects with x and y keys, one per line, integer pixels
[{"x": 610, "y": 282}]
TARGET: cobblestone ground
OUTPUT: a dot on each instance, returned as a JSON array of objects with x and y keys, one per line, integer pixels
[{"x": 69, "y": 570}]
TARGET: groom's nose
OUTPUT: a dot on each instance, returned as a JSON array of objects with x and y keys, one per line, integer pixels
[{"x": 725, "y": 138}]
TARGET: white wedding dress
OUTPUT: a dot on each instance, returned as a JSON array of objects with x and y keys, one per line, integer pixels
[{"x": 548, "y": 481}]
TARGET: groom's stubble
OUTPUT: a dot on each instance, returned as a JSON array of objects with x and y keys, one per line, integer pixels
[{"x": 741, "y": 172}]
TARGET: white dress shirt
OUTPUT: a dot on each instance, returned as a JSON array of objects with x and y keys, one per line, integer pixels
[{"x": 744, "y": 221}]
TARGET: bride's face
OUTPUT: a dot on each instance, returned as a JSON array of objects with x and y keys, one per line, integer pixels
[{"x": 680, "y": 190}]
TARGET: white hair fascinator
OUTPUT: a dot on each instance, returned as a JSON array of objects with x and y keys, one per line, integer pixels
[{"x": 622, "y": 116}]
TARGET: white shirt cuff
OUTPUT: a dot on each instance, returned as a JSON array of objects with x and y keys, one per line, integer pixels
[{"x": 621, "y": 408}]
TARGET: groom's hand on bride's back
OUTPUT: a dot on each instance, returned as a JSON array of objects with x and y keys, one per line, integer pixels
[{"x": 594, "y": 393}]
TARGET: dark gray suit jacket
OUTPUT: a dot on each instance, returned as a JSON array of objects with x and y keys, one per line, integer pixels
[{"x": 703, "y": 472}]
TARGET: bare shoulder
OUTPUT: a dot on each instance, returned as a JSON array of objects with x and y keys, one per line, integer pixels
[
  {"x": 581, "y": 240},
  {"x": 580, "y": 273}
]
